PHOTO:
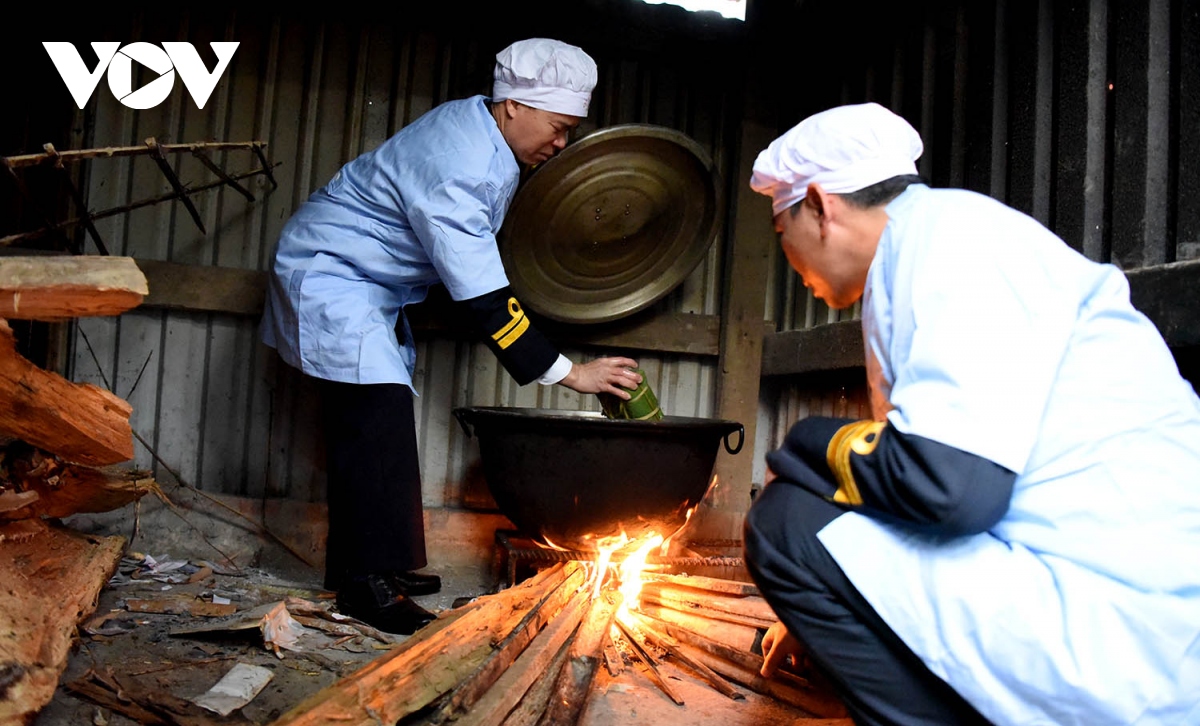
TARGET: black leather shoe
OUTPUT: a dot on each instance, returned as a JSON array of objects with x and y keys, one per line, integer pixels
[
  {"x": 414, "y": 583},
  {"x": 373, "y": 600}
]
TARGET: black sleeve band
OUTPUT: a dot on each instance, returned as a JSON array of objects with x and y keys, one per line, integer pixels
[
  {"x": 522, "y": 349},
  {"x": 897, "y": 476}
]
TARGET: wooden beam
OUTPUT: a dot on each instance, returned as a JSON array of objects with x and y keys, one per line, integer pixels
[
  {"x": 60, "y": 287},
  {"x": 79, "y": 422},
  {"x": 1167, "y": 294},
  {"x": 200, "y": 288},
  {"x": 823, "y": 348},
  {"x": 1170, "y": 296}
]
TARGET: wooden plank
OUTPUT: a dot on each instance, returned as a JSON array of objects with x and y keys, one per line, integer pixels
[
  {"x": 61, "y": 287},
  {"x": 201, "y": 288},
  {"x": 81, "y": 423}
]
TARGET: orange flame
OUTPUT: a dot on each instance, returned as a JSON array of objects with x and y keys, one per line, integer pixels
[{"x": 631, "y": 571}]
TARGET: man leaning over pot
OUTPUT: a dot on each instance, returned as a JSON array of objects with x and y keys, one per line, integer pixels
[
  {"x": 1014, "y": 536},
  {"x": 422, "y": 208}
]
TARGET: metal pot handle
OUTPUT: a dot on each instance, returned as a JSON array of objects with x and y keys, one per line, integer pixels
[
  {"x": 741, "y": 431},
  {"x": 461, "y": 415}
]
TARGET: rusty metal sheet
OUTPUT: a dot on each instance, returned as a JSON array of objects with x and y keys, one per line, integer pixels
[{"x": 612, "y": 224}]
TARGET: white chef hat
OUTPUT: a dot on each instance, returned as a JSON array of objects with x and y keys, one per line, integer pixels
[
  {"x": 843, "y": 149},
  {"x": 546, "y": 74}
]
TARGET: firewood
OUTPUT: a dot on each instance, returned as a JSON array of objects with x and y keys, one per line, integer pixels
[
  {"x": 77, "y": 421},
  {"x": 533, "y": 703},
  {"x": 642, "y": 652},
  {"x": 59, "y": 287},
  {"x": 612, "y": 659},
  {"x": 523, "y": 690},
  {"x": 752, "y": 611},
  {"x": 736, "y": 636},
  {"x": 744, "y": 668},
  {"x": 781, "y": 687},
  {"x": 672, "y": 646},
  {"x": 410, "y": 677},
  {"x": 467, "y": 693},
  {"x": 569, "y": 695},
  {"x": 711, "y": 584}
]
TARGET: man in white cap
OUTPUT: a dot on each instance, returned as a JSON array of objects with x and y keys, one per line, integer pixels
[
  {"x": 422, "y": 208},
  {"x": 1014, "y": 536}
]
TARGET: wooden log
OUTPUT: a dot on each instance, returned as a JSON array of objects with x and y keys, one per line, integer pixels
[
  {"x": 671, "y": 646},
  {"x": 533, "y": 704},
  {"x": 77, "y": 421},
  {"x": 48, "y": 585},
  {"x": 521, "y": 693},
  {"x": 708, "y": 584},
  {"x": 569, "y": 695},
  {"x": 744, "y": 668},
  {"x": 643, "y": 652},
  {"x": 467, "y": 693},
  {"x": 411, "y": 677},
  {"x": 781, "y": 687},
  {"x": 59, "y": 287},
  {"x": 736, "y": 636},
  {"x": 750, "y": 610}
]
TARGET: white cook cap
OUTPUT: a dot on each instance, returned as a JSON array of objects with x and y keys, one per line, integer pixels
[
  {"x": 843, "y": 149},
  {"x": 546, "y": 74}
]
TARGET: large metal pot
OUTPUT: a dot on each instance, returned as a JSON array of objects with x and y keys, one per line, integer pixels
[{"x": 570, "y": 478}]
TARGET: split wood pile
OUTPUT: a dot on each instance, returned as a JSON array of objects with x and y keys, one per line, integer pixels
[
  {"x": 529, "y": 655},
  {"x": 54, "y": 434}
]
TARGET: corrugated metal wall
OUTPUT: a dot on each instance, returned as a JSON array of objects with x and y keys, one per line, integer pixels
[
  {"x": 211, "y": 403},
  {"x": 1084, "y": 114}
]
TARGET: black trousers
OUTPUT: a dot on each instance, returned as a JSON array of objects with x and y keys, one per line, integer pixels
[
  {"x": 880, "y": 680},
  {"x": 374, "y": 481}
]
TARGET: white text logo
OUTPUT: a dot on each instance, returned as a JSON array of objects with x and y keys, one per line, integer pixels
[{"x": 118, "y": 61}]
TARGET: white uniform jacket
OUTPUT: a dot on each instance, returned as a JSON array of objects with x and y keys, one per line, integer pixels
[{"x": 984, "y": 331}]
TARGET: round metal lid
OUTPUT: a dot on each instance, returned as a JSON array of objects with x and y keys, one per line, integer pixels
[{"x": 611, "y": 224}]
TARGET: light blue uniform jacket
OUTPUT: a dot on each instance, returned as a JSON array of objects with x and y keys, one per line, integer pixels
[
  {"x": 986, "y": 332},
  {"x": 422, "y": 208}
]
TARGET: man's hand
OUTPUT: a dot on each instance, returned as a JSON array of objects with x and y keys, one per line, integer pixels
[
  {"x": 604, "y": 375},
  {"x": 778, "y": 645}
]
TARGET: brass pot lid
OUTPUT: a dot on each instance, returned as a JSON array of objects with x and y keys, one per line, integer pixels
[{"x": 611, "y": 224}]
